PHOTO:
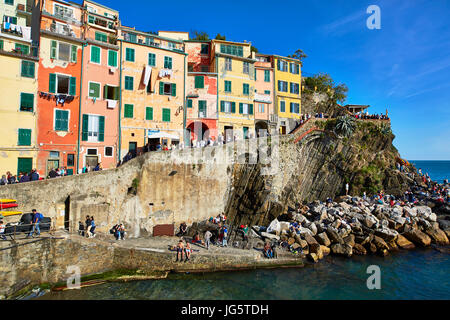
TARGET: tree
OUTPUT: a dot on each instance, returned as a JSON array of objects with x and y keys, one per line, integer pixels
[
  {"x": 220, "y": 37},
  {"x": 200, "y": 35},
  {"x": 253, "y": 49},
  {"x": 299, "y": 55},
  {"x": 322, "y": 82}
]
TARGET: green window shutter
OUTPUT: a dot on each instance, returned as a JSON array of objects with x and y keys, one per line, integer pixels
[
  {"x": 95, "y": 54},
  {"x": 105, "y": 90},
  {"x": 26, "y": 102},
  {"x": 250, "y": 108},
  {"x": 64, "y": 120},
  {"x": 166, "y": 115},
  {"x": 241, "y": 108},
  {"x": 199, "y": 82},
  {"x": 52, "y": 83},
  {"x": 74, "y": 54},
  {"x": 73, "y": 86},
  {"x": 128, "y": 111},
  {"x": 116, "y": 93},
  {"x": 27, "y": 69},
  {"x": 233, "y": 107},
  {"x": 174, "y": 89},
  {"x": 91, "y": 19},
  {"x": 112, "y": 58},
  {"x": 24, "y": 137},
  {"x": 84, "y": 132},
  {"x": 266, "y": 75},
  {"x": 94, "y": 90},
  {"x": 151, "y": 59},
  {"x": 57, "y": 120},
  {"x": 53, "y": 46},
  {"x": 129, "y": 83},
  {"x": 189, "y": 103},
  {"x": 161, "y": 88},
  {"x": 246, "y": 89},
  {"x": 101, "y": 128},
  {"x": 1, "y": 44},
  {"x": 149, "y": 113},
  {"x": 129, "y": 54},
  {"x": 222, "y": 106}
]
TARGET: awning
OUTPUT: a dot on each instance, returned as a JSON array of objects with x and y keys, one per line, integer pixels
[{"x": 161, "y": 134}]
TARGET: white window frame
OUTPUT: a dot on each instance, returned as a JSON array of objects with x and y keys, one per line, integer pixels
[
  {"x": 245, "y": 108},
  {"x": 57, "y": 48},
  {"x": 261, "y": 107},
  {"x": 99, "y": 92},
  {"x": 225, "y": 104},
  {"x": 61, "y": 5},
  {"x": 228, "y": 62},
  {"x": 112, "y": 153},
  {"x": 246, "y": 67},
  {"x": 90, "y": 55},
  {"x": 54, "y": 119},
  {"x": 57, "y": 81},
  {"x": 98, "y": 131}
]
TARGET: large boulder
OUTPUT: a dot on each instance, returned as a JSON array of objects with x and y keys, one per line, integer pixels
[
  {"x": 323, "y": 239},
  {"x": 315, "y": 248},
  {"x": 417, "y": 237},
  {"x": 359, "y": 249},
  {"x": 341, "y": 249},
  {"x": 325, "y": 250},
  {"x": 380, "y": 243},
  {"x": 313, "y": 257},
  {"x": 437, "y": 236},
  {"x": 334, "y": 236},
  {"x": 269, "y": 236},
  {"x": 350, "y": 240},
  {"x": 386, "y": 234},
  {"x": 369, "y": 221},
  {"x": 310, "y": 239},
  {"x": 404, "y": 243},
  {"x": 426, "y": 213}
]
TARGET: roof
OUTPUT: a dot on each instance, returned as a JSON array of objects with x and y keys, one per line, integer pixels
[{"x": 232, "y": 42}]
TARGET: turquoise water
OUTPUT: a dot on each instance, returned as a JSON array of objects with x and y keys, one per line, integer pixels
[
  {"x": 437, "y": 170},
  {"x": 418, "y": 274}
]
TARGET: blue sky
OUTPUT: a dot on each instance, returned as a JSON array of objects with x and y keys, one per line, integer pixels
[{"x": 404, "y": 66}]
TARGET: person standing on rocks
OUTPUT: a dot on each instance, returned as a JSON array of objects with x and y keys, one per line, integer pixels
[
  {"x": 224, "y": 239},
  {"x": 346, "y": 189},
  {"x": 208, "y": 236}
]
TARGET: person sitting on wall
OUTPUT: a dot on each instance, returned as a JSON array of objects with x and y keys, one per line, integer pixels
[
  {"x": 196, "y": 239},
  {"x": 80, "y": 228},
  {"x": 180, "y": 250},
  {"x": 183, "y": 228},
  {"x": 188, "y": 252}
]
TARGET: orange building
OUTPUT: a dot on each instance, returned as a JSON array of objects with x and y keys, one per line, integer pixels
[
  {"x": 59, "y": 81},
  {"x": 201, "y": 92},
  {"x": 100, "y": 94}
]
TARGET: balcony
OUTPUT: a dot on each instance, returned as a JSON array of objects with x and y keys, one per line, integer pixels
[
  {"x": 23, "y": 9},
  {"x": 17, "y": 31},
  {"x": 62, "y": 15},
  {"x": 64, "y": 30}
]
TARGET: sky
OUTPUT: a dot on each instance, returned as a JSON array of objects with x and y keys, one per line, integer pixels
[{"x": 404, "y": 66}]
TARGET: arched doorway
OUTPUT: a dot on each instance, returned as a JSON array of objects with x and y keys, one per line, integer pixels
[
  {"x": 261, "y": 128},
  {"x": 198, "y": 131}
]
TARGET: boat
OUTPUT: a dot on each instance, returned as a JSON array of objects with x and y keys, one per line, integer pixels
[
  {"x": 7, "y": 201},
  {"x": 8, "y": 205}
]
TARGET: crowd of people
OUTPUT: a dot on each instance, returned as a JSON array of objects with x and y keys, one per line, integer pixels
[
  {"x": 9, "y": 178},
  {"x": 367, "y": 116}
]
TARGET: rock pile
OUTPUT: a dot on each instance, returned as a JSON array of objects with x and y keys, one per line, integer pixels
[{"x": 353, "y": 226}]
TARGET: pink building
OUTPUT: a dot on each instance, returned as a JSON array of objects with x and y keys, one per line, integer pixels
[
  {"x": 263, "y": 102},
  {"x": 201, "y": 91},
  {"x": 99, "y": 116}
]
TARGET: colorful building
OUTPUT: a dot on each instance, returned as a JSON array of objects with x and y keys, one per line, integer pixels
[
  {"x": 18, "y": 87},
  {"x": 153, "y": 72},
  {"x": 201, "y": 92},
  {"x": 263, "y": 102},
  {"x": 235, "y": 65},
  {"x": 100, "y": 91},
  {"x": 287, "y": 83},
  {"x": 59, "y": 84}
]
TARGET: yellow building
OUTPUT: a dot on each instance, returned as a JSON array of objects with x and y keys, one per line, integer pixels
[
  {"x": 235, "y": 65},
  {"x": 153, "y": 71},
  {"x": 287, "y": 89},
  {"x": 18, "y": 89}
]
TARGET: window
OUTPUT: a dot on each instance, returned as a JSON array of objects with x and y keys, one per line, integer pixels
[
  {"x": 24, "y": 137},
  {"x": 261, "y": 107},
  {"x": 294, "y": 107},
  {"x": 109, "y": 151},
  {"x": 129, "y": 54},
  {"x": 246, "y": 68},
  {"x": 22, "y": 48},
  {"x": 149, "y": 113},
  {"x": 93, "y": 129},
  {"x": 63, "y": 51},
  {"x": 63, "y": 11},
  {"x": 267, "y": 75},
  {"x": 11, "y": 2},
  {"x": 111, "y": 93},
  {"x": 169, "y": 89},
  {"x": 282, "y": 65},
  {"x": 27, "y": 69},
  {"x": 128, "y": 111},
  {"x": 282, "y": 86},
  {"x": 100, "y": 36},
  {"x": 226, "y": 106},
  {"x": 61, "y": 120},
  {"x": 295, "y": 87},
  {"x": 202, "y": 109},
  {"x": 228, "y": 64},
  {"x": 231, "y": 49},
  {"x": 266, "y": 91},
  {"x": 246, "y": 89},
  {"x": 282, "y": 106},
  {"x": 245, "y": 108},
  {"x": 189, "y": 103},
  {"x": 151, "y": 59},
  {"x": 1, "y": 44},
  {"x": 199, "y": 82},
  {"x": 62, "y": 84},
  {"x": 167, "y": 62},
  {"x": 70, "y": 160},
  {"x": 91, "y": 152},
  {"x": 205, "y": 49},
  {"x": 94, "y": 90},
  {"x": 91, "y": 19},
  {"x": 95, "y": 54},
  {"x": 26, "y": 102},
  {"x": 129, "y": 83},
  {"x": 294, "y": 68},
  {"x": 166, "y": 115},
  {"x": 112, "y": 58},
  {"x": 227, "y": 86},
  {"x": 9, "y": 19}
]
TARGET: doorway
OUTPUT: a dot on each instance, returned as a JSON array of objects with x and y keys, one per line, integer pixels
[
  {"x": 52, "y": 164},
  {"x": 91, "y": 161},
  {"x": 228, "y": 133},
  {"x": 132, "y": 147},
  {"x": 24, "y": 165},
  {"x": 67, "y": 214}
]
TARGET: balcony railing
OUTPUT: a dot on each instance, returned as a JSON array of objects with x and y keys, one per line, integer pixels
[
  {"x": 21, "y": 8},
  {"x": 16, "y": 30},
  {"x": 62, "y": 29},
  {"x": 68, "y": 17}
]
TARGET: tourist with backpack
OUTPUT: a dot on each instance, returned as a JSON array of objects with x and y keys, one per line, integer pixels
[
  {"x": 91, "y": 230},
  {"x": 37, "y": 217}
]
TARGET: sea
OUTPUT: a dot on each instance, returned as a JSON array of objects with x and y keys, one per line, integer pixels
[{"x": 420, "y": 274}]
